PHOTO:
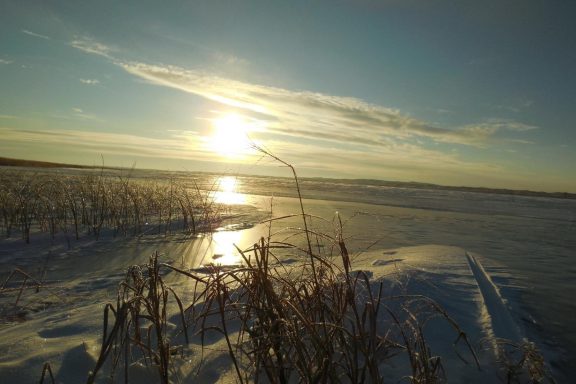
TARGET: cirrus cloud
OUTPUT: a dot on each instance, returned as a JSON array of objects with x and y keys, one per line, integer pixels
[
  {"x": 89, "y": 45},
  {"x": 327, "y": 134},
  {"x": 310, "y": 115},
  {"x": 34, "y": 34},
  {"x": 318, "y": 116},
  {"x": 90, "y": 81}
]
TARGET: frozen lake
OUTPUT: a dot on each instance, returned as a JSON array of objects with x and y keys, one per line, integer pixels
[{"x": 526, "y": 244}]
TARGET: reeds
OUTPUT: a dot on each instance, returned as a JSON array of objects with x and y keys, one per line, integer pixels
[
  {"x": 316, "y": 321},
  {"x": 522, "y": 363},
  {"x": 135, "y": 328},
  {"x": 284, "y": 324},
  {"x": 89, "y": 203}
]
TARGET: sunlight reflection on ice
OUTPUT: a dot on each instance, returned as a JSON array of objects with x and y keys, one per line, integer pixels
[
  {"x": 219, "y": 247},
  {"x": 223, "y": 247},
  {"x": 227, "y": 192}
]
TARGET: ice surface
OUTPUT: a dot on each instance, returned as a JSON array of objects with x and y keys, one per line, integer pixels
[{"x": 510, "y": 272}]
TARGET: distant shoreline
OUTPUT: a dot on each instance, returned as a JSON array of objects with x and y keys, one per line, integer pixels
[
  {"x": 10, "y": 162},
  {"x": 428, "y": 186}
]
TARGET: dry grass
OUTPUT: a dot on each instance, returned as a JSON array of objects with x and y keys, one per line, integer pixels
[
  {"x": 138, "y": 332},
  {"x": 522, "y": 363},
  {"x": 92, "y": 202},
  {"x": 316, "y": 321},
  {"x": 323, "y": 324},
  {"x": 21, "y": 293}
]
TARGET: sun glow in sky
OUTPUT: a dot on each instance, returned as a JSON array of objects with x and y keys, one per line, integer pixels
[
  {"x": 447, "y": 92},
  {"x": 230, "y": 136}
]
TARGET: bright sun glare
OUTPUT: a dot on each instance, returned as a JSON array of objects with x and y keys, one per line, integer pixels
[
  {"x": 229, "y": 136},
  {"x": 227, "y": 192},
  {"x": 227, "y": 184}
]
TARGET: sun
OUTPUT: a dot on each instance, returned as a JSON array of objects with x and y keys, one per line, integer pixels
[{"x": 229, "y": 137}]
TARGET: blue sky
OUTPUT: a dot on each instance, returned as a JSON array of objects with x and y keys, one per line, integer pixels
[{"x": 449, "y": 92}]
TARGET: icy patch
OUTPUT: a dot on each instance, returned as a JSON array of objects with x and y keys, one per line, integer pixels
[
  {"x": 378, "y": 263},
  {"x": 235, "y": 227}
]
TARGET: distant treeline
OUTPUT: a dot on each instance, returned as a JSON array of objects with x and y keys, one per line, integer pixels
[
  {"x": 4, "y": 161},
  {"x": 416, "y": 185},
  {"x": 9, "y": 162}
]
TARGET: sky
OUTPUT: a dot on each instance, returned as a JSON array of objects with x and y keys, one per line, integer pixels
[{"x": 473, "y": 93}]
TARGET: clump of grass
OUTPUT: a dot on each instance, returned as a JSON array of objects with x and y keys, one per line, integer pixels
[
  {"x": 522, "y": 363},
  {"x": 283, "y": 324},
  {"x": 319, "y": 321},
  {"x": 291, "y": 327},
  {"x": 91, "y": 202},
  {"x": 138, "y": 332}
]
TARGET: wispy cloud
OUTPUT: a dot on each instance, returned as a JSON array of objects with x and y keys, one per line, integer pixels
[
  {"x": 315, "y": 115},
  {"x": 516, "y": 106},
  {"x": 92, "y": 46},
  {"x": 305, "y": 114},
  {"x": 511, "y": 125},
  {"x": 181, "y": 146},
  {"x": 81, "y": 114},
  {"x": 229, "y": 59},
  {"x": 77, "y": 114},
  {"x": 90, "y": 81},
  {"x": 5, "y": 62},
  {"x": 34, "y": 34}
]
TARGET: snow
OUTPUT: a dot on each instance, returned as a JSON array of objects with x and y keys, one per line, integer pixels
[
  {"x": 446, "y": 275},
  {"x": 503, "y": 326},
  {"x": 66, "y": 329}
]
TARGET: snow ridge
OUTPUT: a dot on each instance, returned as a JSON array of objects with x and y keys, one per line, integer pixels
[{"x": 503, "y": 325}]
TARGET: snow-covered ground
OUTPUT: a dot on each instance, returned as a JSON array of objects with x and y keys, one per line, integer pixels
[{"x": 61, "y": 323}]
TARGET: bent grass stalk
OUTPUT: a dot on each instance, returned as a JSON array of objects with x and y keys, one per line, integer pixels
[{"x": 15, "y": 285}]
